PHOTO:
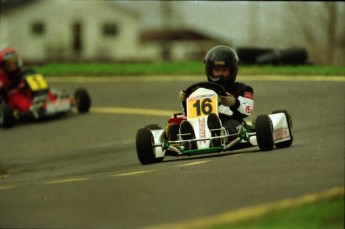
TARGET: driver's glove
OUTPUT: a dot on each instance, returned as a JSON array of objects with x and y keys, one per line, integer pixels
[
  {"x": 227, "y": 100},
  {"x": 182, "y": 96}
]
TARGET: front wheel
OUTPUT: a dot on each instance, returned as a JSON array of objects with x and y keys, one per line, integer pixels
[
  {"x": 6, "y": 117},
  {"x": 264, "y": 132},
  {"x": 83, "y": 100},
  {"x": 144, "y": 145}
]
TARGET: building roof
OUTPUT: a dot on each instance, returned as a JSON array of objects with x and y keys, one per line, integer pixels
[{"x": 7, "y": 5}]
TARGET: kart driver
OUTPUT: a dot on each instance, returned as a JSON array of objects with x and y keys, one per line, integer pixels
[
  {"x": 11, "y": 84},
  {"x": 221, "y": 67}
]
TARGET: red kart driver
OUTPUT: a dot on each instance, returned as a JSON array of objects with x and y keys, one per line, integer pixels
[{"x": 11, "y": 85}]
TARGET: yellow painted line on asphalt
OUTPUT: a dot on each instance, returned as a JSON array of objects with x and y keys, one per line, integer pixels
[
  {"x": 194, "y": 163},
  {"x": 7, "y": 187},
  {"x": 249, "y": 213},
  {"x": 4, "y": 176},
  {"x": 68, "y": 180},
  {"x": 133, "y": 111},
  {"x": 133, "y": 173}
]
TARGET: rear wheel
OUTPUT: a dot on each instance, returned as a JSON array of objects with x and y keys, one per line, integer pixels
[
  {"x": 264, "y": 132},
  {"x": 83, "y": 100},
  {"x": 6, "y": 116},
  {"x": 289, "y": 122}
]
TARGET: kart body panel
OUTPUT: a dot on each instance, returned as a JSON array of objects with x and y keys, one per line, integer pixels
[
  {"x": 48, "y": 102},
  {"x": 59, "y": 105},
  {"x": 280, "y": 127},
  {"x": 200, "y": 104}
]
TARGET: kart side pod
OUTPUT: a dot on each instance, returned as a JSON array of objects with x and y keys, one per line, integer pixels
[
  {"x": 158, "y": 136},
  {"x": 281, "y": 128},
  {"x": 273, "y": 130}
]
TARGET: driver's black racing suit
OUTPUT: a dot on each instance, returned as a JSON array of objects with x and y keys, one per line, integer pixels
[{"x": 232, "y": 117}]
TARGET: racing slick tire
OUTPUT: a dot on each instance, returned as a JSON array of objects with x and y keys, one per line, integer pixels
[
  {"x": 83, "y": 100},
  {"x": 144, "y": 145},
  {"x": 6, "y": 117},
  {"x": 248, "y": 55},
  {"x": 264, "y": 132},
  {"x": 289, "y": 121},
  {"x": 155, "y": 127}
]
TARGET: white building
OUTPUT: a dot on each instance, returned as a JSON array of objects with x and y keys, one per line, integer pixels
[
  {"x": 84, "y": 30},
  {"x": 53, "y": 30}
]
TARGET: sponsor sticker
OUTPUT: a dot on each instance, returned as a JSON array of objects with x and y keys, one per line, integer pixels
[
  {"x": 281, "y": 133},
  {"x": 249, "y": 109},
  {"x": 202, "y": 128},
  {"x": 58, "y": 106}
]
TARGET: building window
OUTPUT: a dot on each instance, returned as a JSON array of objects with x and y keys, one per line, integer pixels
[
  {"x": 38, "y": 28},
  {"x": 110, "y": 29}
]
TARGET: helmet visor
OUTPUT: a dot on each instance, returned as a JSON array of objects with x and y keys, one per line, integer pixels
[{"x": 11, "y": 63}]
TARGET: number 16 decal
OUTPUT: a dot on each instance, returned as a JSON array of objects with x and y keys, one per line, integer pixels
[{"x": 201, "y": 107}]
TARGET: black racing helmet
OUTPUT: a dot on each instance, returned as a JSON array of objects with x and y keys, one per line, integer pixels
[{"x": 221, "y": 56}]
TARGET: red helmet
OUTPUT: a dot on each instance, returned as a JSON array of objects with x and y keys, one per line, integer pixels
[{"x": 10, "y": 61}]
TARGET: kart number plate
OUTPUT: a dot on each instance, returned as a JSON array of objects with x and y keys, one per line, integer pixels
[
  {"x": 36, "y": 82},
  {"x": 201, "y": 106}
]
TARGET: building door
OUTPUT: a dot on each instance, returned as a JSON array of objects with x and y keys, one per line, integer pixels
[{"x": 77, "y": 40}]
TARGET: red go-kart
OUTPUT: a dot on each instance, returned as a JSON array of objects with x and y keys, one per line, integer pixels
[{"x": 46, "y": 101}]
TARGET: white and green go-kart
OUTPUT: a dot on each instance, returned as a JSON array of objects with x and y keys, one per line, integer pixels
[{"x": 267, "y": 131}]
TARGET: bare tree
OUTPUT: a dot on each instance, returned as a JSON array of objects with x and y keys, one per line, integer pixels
[
  {"x": 167, "y": 16},
  {"x": 331, "y": 23},
  {"x": 319, "y": 27}
]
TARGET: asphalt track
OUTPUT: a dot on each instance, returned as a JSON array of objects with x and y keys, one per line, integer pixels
[{"x": 81, "y": 171}]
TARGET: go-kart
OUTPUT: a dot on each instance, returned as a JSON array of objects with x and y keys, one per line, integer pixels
[
  {"x": 46, "y": 102},
  {"x": 266, "y": 131}
]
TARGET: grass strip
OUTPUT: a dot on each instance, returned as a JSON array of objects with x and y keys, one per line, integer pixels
[
  {"x": 325, "y": 214},
  {"x": 176, "y": 68}
]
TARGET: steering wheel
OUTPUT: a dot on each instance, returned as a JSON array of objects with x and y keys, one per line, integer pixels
[{"x": 208, "y": 85}]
